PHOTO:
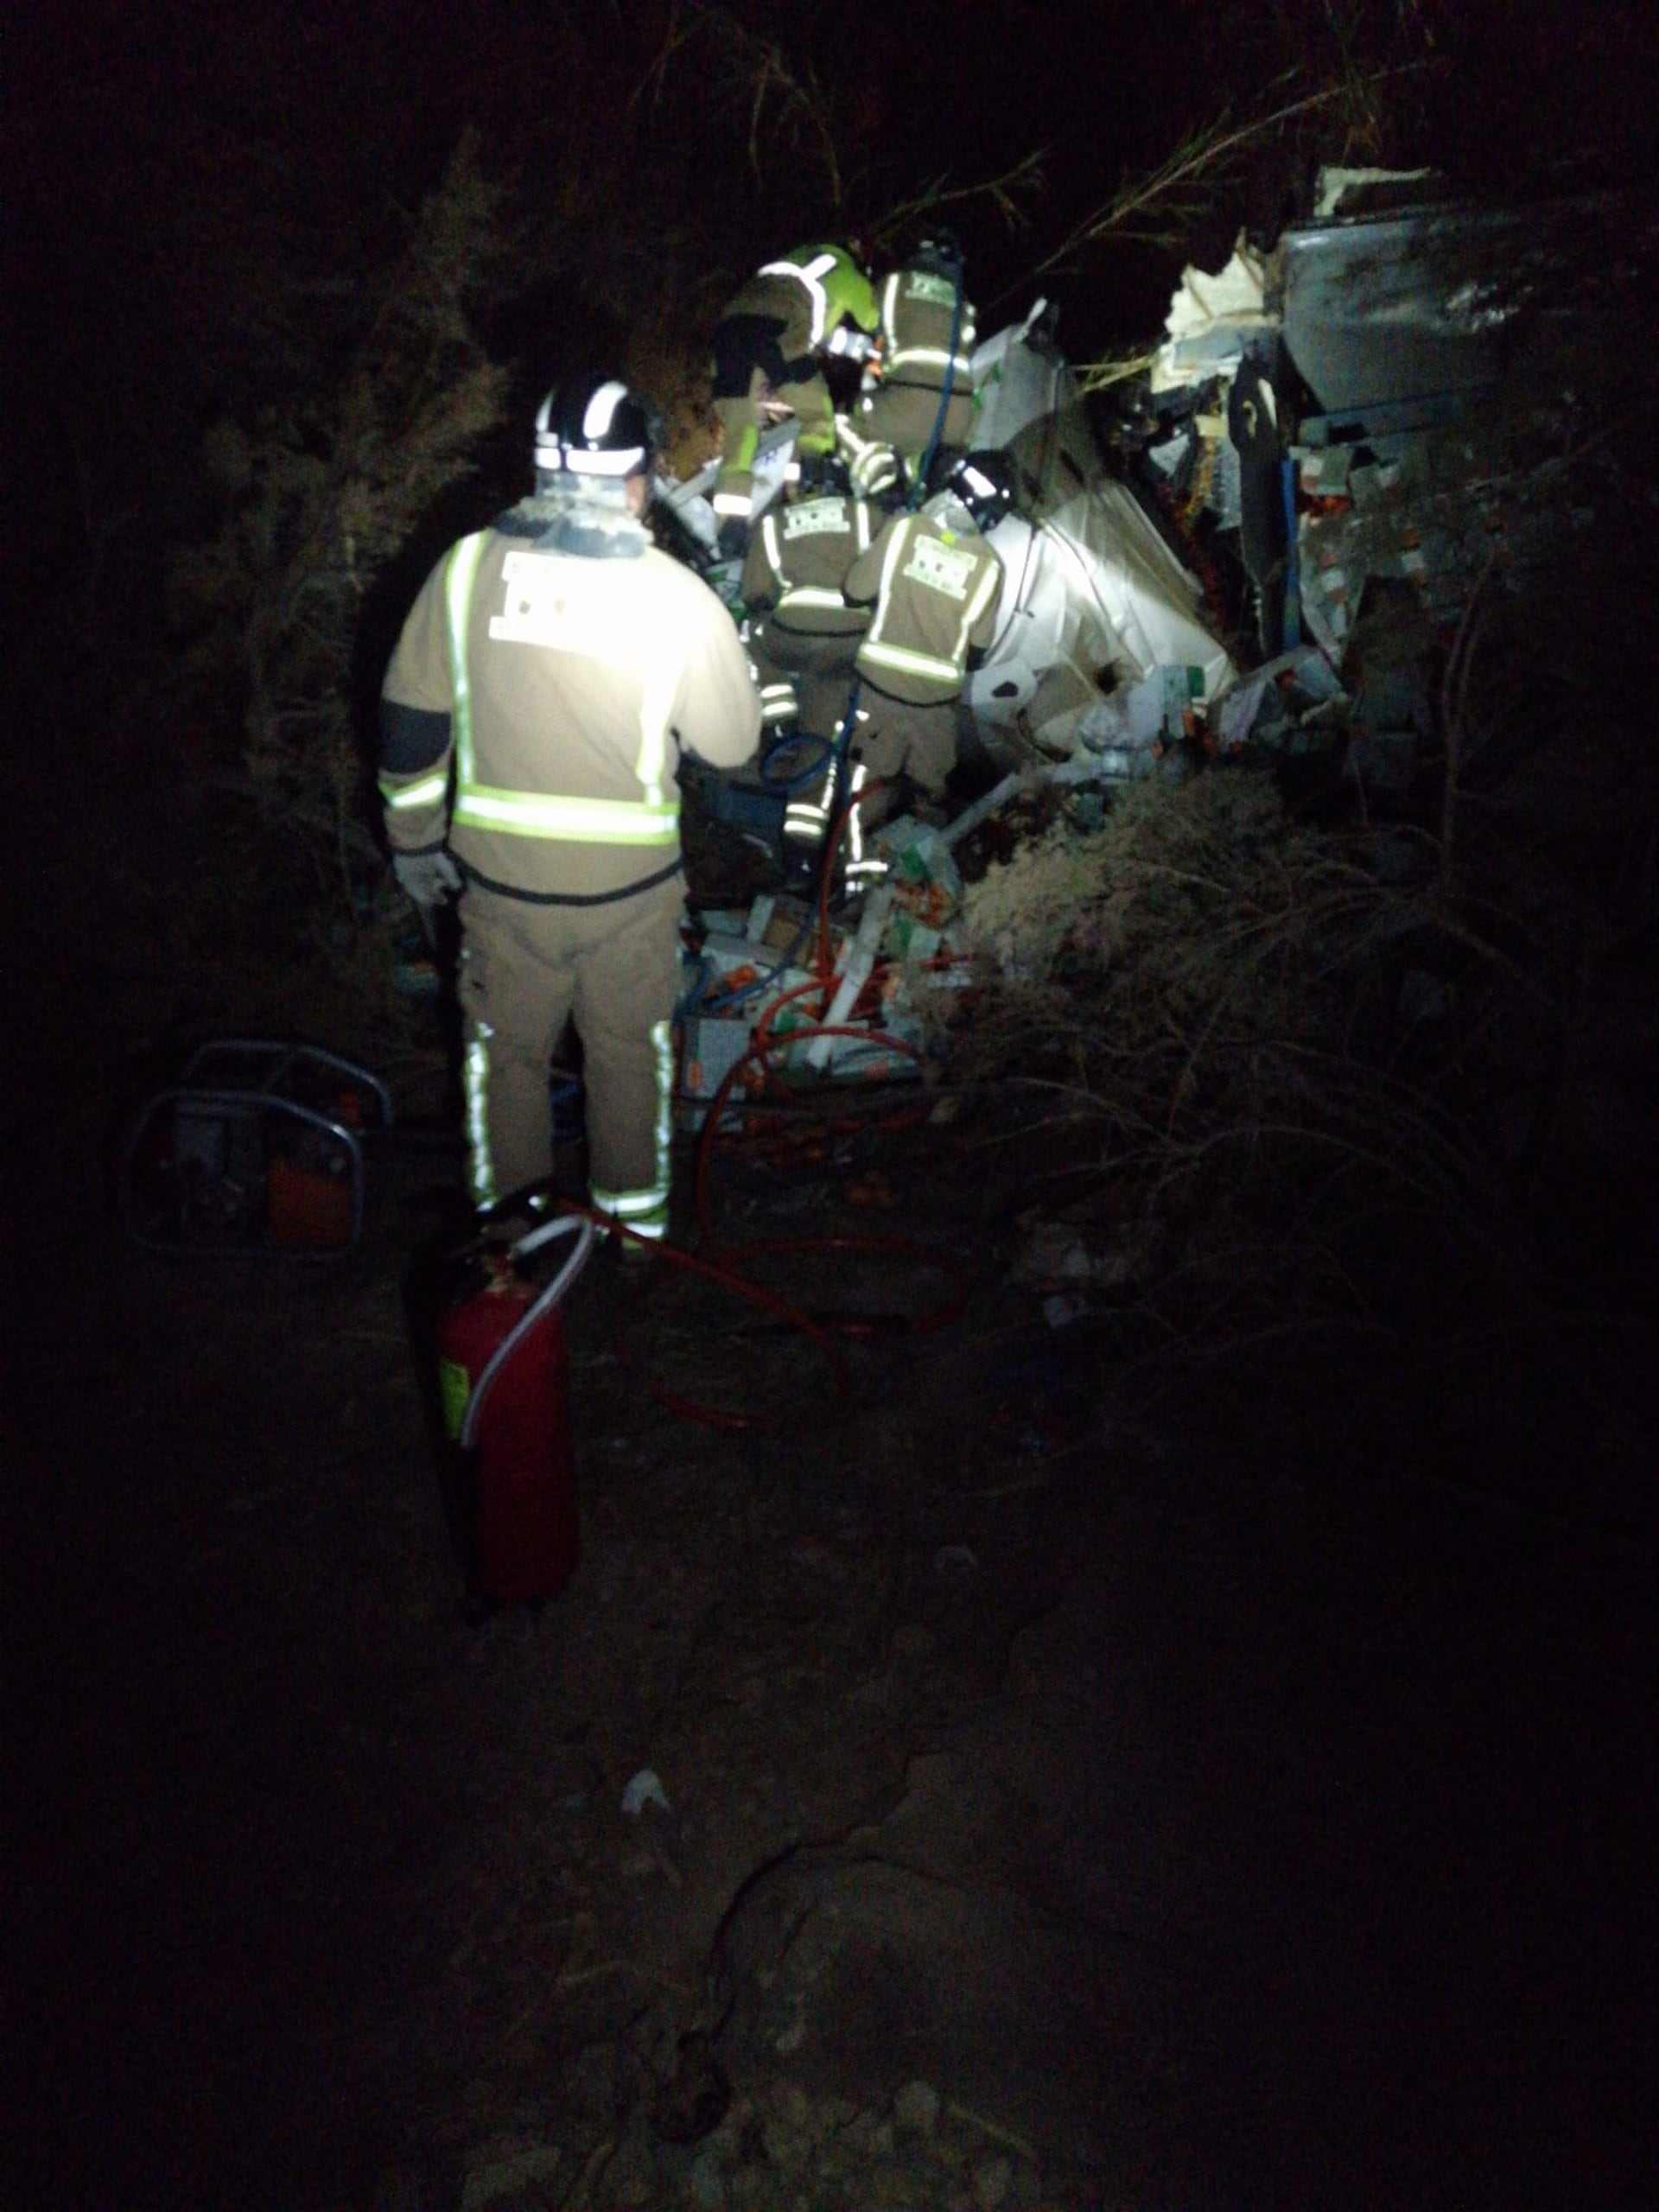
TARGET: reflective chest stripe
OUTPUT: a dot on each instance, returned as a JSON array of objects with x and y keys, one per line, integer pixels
[
  {"x": 769, "y": 540},
  {"x": 882, "y": 652},
  {"x": 896, "y": 357},
  {"x": 961, "y": 365},
  {"x": 818, "y": 597},
  {"x": 568, "y": 821},
  {"x": 653, "y": 819},
  {"x": 811, "y": 279},
  {"x": 459, "y": 574}
]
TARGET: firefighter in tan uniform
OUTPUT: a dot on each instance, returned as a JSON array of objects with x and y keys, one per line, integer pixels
[
  {"x": 548, "y": 675},
  {"x": 934, "y": 584},
  {"x": 769, "y": 349},
  {"x": 803, "y": 634},
  {"x": 926, "y": 350}
]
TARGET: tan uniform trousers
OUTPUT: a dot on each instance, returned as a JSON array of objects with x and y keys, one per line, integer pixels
[
  {"x": 615, "y": 969},
  {"x": 820, "y": 668},
  {"x": 901, "y": 738}
]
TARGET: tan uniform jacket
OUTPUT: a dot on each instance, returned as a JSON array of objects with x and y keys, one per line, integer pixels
[
  {"x": 798, "y": 560},
  {"x": 900, "y": 412},
  {"x": 584, "y": 679},
  {"x": 917, "y": 309},
  {"x": 936, "y": 592}
]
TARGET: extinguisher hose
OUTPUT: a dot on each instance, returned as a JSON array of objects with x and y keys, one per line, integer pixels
[{"x": 568, "y": 1224}]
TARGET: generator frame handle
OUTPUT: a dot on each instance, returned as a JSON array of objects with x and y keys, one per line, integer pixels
[
  {"x": 253, "y": 1103},
  {"x": 284, "y": 1053}
]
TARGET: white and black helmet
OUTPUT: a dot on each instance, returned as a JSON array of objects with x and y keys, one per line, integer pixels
[
  {"x": 985, "y": 483},
  {"x": 940, "y": 255},
  {"x": 596, "y": 427}
]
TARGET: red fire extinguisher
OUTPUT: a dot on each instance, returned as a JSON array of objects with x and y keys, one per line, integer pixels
[{"x": 503, "y": 1376}]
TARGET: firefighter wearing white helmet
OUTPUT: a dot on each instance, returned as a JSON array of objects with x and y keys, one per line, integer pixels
[
  {"x": 769, "y": 346},
  {"x": 934, "y": 585},
  {"x": 550, "y": 672}
]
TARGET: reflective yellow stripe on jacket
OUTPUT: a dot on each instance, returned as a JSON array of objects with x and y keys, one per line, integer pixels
[
  {"x": 653, "y": 819},
  {"x": 877, "y": 651},
  {"x": 901, "y": 363},
  {"x": 810, "y": 277}
]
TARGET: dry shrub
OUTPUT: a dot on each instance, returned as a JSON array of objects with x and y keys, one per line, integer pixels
[
  {"x": 1274, "y": 1046},
  {"x": 314, "y": 496}
]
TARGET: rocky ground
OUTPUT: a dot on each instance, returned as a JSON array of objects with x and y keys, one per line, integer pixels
[{"x": 1079, "y": 1782}]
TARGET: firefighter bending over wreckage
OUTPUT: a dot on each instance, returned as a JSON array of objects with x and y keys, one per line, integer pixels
[
  {"x": 769, "y": 349},
  {"x": 933, "y": 584},
  {"x": 548, "y": 675},
  {"x": 918, "y": 395},
  {"x": 802, "y": 633}
]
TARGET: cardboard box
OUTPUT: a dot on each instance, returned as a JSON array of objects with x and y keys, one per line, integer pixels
[{"x": 710, "y": 1046}]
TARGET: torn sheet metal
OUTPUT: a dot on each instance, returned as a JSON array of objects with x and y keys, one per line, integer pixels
[
  {"x": 1396, "y": 304},
  {"x": 1387, "y": 324},
  {"x": 1091, "y": 584},
  {"x": 1210, "y": 319},
  {"x": 1415, "y": 302},
  {"x": 1029, "y": 407},
  {"x": 1389, "y": 309},
  {"x": 1287, "y": 689}
]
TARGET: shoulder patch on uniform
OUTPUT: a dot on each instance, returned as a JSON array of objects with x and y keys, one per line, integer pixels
[
  {"x": 940, "y": 567},
  {"x": 936, "y": 291},
  {"x": 816, "y": 517},
  {"x": 563, "y": 605}
]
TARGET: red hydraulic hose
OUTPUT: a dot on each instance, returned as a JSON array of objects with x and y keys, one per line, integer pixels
[
  {"x": 904, "y": 1248},
  {"x": 722, "y": 1267},
  {"x": 714, "y": 1270}
]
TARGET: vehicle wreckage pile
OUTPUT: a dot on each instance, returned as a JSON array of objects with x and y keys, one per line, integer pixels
[{"x": 1229, "y": 1011}]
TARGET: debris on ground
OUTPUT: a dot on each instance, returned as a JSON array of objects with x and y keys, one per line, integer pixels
[{"x": 1375, "y": 411}]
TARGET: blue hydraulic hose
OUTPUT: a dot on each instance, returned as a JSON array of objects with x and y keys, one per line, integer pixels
[
  {"x": 815, "y": 767},
  {"x": 918, "y": 490},
  {"x": 844, "y": 733}
]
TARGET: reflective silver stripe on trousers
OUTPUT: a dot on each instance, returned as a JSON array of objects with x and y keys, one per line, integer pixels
[
  {"x": 646, "y": 1212},
  {"x": 475, "y": 1078}
]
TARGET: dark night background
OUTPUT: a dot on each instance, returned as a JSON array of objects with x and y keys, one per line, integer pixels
[{"x": 224, "y": 323}]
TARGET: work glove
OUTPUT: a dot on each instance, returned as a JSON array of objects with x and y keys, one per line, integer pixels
[
  {"x": 732, "y": 539},
  {"x": 875, "y": 471},
  {"x": 427, "y": 879}
]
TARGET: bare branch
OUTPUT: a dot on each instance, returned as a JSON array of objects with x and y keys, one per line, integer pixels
[
  {"x": 1025, "y": 179},
  {"x": 1180, "y": 187}
]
